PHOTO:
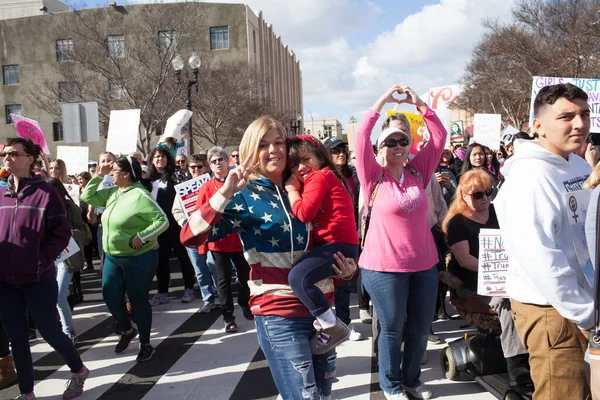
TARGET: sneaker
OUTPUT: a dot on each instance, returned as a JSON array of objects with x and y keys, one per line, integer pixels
[
  {"x": 88, "y": 268},
  {"x": 126, "y": 338},
  {"x": 231, "y": 327},
  {"x": 424, "y": 359},
  {"x": 188, "y": 296},
  {"x": 365, "y": 317},
  {"x": 75, "y": 384},
  {"x": 420, "y": 392},
  {"x": 395, "y": 396},
  {"x": 30, "y": 396},
  {"x": 326, "y": 339},
  {"x": 207, "y": 307},
  {"x": 146, "y": 352},
  {"x": 354, "y": 334},
  {"x": 433, "y": 338},
  {"x": 159, "y": 298},
  {"x": 247, "y": 313}
]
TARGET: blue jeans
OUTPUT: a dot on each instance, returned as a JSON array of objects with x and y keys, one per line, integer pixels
[
  {"x": 40, "y": 298},
  {"x": 396, "y": 296},
  {"x": 298, "y": 374},
  {"x": 204, "y": 273},
  {"x": 63, "y": 278}
]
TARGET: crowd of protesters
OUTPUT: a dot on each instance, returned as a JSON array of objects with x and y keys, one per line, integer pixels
[{"x": 289, "y": 221}]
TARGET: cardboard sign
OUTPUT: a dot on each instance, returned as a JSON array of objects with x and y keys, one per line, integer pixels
[
  {"x": 590, "y": 86},
  {"x": 175, "y": 123},
  {"x": 493, "y": 264},
  {"x": 577, "y": 205},
  {"x": 123, "y": 130},
  {"x": 487, "y": 130},
  {"x": 30, "y": 129},
  {"x": 418, "y": 130},
  {"x": 187, "y": 193},
  {"x": 71, "y": 249},
  {"x": 73, "y": 191},
  {"x": 75, "y": 157}
]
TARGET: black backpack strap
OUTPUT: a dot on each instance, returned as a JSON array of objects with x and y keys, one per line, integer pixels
[
  {"x": 366, "y": 216},
  {"x": 416, "y": 173}
]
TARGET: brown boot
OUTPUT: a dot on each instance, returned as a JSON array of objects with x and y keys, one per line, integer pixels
[{"x": 8, "y": 376}]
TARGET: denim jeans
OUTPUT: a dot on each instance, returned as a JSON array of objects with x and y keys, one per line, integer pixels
[
  {"x": 204, "y": 274},
  {"x": 40, "y": 298},
  {"x": 396, "y": 296},
  {"x": 298, "y": 374},
  {"x": 63, "y": 278}
]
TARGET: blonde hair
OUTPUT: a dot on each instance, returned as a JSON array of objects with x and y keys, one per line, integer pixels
[
  {"x": 63, "y": 176},
  {"x": 254, "y": 134},
  {"x": 471, "y": 181},
  {"x": 594, "y": 178}
]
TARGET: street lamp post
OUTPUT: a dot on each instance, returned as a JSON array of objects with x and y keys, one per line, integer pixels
[{"x": 194, "y": 63}]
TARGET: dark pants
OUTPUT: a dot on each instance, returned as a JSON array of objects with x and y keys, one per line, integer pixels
[
  {"x": 132, "y": 275},
  {"x": 362, "y": 294},
  {"x": 314, "y": 267},
  {"x": 341, "y": 300},
  {"x": 224, "y": 273},
  {"x": 442, "y": 248},
  {"x": 92, "y": 246},
  {"x": 4, "y": 343},
  {"x": 40, "y": 298},
  {"x": 169, "y": 240}
]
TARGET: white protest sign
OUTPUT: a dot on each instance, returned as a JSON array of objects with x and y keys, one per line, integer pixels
[
  {"x": 493, "y": 264},
  {"x": 123, "y": 130},
  {"x": 590, "y": 86},
  {"x": 75, "y": 157},
  {"x": 508, "y": 134},
  {"x": 73, "y": 191},
  {"x": 486, "y": 130},
  {"x": 187, "y": 193},
  {"x": 175, "y": 123},
  {"x": 577, "y": 205},
  {"x": 71, "y": 249}
]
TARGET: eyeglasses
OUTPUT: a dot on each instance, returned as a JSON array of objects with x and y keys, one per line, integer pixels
[
  {"x": 196, "y": 166},
  {"x": 13, "y": 154},
  {"x": 338, "y": 150},
  {"x": 479, "y": 195},
  {"x": 180, "y": 162},
  {"x": 217, "y": 160},
  {"x": 499, "y": 155},
  {"x": 395, "y": 142},
  {"x": 235, "y": 155}
]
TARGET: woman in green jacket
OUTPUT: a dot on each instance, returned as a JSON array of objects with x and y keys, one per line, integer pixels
[{"x": 131, "y": 224}]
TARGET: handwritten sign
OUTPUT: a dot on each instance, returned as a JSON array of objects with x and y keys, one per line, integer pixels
[
  {"x": 71, "y": 249},
  {"x": 493, "y": 264},
  {"x": 123, "y": 129},
  {"x": 187, "y": 193},
  {"x": 75, "y": 157},
  {"x": 73, "y": 191},
  {"x": 590, "y": 86},
  {"x": 30, "y": 129},
  {"x": 487, "y": 129},
  {"x": 175, "y": 123},
  {"x": 577, "y": 205}
]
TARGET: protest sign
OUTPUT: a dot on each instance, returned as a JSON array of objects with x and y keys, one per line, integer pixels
[
  {"x": 456, "y": 133},
  {"x": 418, "y": 130},
  {"x": 187, "y": 192},
  {"x": 123, "y": 130},
  {"x": 440, "y": 99},
  {"x": 80, "y": 122},
  {"x": 577, "y": 205},
  {"x": 73, "y": 191},
  {"x": 590, "y": 86},
  {"x": 493, "y": 264},
  {"x": 487, "y": 130},
  {"x": 509, "y": 133},
  {"x": 175, "y": 123},
  {"x": 75, "y": 157},
  {"x": 30, "y": 129},
  {"x": 71, "y": 249}
]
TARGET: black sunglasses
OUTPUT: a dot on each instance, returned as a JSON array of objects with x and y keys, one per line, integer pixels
[
  {"x": 196, "y": 166},
  {"x": 394, "y": 142},
  {"x": 235, "y": 155},
  {"x": 479, "y": 195},
  {"x": 216, "y": 160},
  {"x": 338, "y": 150}
]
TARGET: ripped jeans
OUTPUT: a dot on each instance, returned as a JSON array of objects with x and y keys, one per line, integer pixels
[{"x": 298, "y": 374}]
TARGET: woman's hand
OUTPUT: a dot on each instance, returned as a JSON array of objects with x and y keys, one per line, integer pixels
[
  {"x": 104, "y": 169},
  {"x": 387, "y": 97},
  {"x": 412, "y": 98},
  {"x": 137, "y": 243},
  {"x": 238, "y": 178},
  {"x": 345, "y": 266},
  {"x": 293, "y": 184}
]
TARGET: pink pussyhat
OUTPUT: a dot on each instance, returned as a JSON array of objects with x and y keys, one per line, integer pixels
[{"x": 460, "y": 153}]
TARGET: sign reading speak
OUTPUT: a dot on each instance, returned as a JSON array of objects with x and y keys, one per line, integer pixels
[
  {"x": 187, "y": 193},
  {"x": 30, "y": 129},
  {"x": 493, "y": 264},
  {"x": 487, "y": 130},
  {"x": 123, "y": 130}
]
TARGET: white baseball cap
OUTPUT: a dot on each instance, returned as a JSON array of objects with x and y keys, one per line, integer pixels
[{"x": 389, "y": 132}]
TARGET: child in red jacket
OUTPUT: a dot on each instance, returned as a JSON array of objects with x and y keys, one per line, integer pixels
[{"x": 326, "y": 202}]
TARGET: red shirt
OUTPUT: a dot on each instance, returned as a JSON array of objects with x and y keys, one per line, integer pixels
[{"x": 327, "y": 204}]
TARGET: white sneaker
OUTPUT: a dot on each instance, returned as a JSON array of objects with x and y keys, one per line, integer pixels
[
  {"x": 420, "y": 392},
  {"x": 365, "y": 317},
  {"x": 188, "y": 296},
  {"x": 159, "y": 298},
  {"x": 395, "y": 396},
  {"x": 354, "y": 334}
]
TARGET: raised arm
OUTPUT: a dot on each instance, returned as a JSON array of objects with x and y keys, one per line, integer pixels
[
  {"x": 427, "y": 159},
  {"x": 92, "y": 196}
]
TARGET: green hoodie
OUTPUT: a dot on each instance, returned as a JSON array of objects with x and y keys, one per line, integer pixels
[{"x": 128, "y": 212}]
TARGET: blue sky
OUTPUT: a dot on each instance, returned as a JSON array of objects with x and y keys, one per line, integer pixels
[{"x": 351, "y": 51}]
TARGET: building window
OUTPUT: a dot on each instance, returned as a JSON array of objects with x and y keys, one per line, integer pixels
[
  {"x": 219, "y": 37},
  {"x": 166, "y": 41},
  {"x": 11, "y": 74},
  {"x": 12, "y": 109},
  {"x": 67, "y": 91},
  {"x": 327, "y": 131},
  {"x": 57, "y": 131},
  {"x": 116, "y": 46},
  {"x": 64, "y": 49},
  {"x": 116, "y": 90}
]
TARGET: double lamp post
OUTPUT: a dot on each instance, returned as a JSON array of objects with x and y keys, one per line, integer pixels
[{"x": 178, "y": 65}]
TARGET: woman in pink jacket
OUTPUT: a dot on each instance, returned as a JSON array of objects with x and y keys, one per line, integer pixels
[{"x": 400, "y": 256}]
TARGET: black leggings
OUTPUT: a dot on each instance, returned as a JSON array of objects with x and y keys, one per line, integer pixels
[
  {"x": 224, "y": 274},
  {"x": 169, "y": 240}
]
